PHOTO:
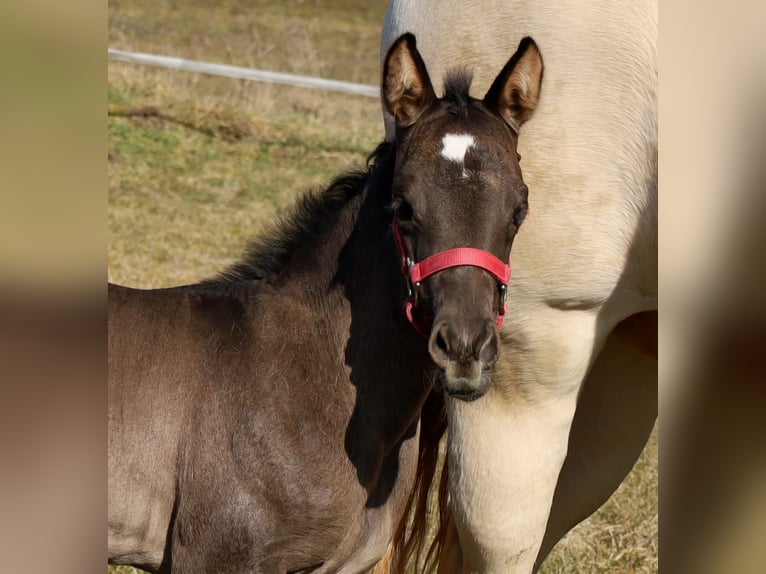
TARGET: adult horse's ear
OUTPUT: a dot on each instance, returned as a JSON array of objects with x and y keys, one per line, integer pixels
[
  {"x": 406, "y": 89},
  {"x": 516, "y": 90}
]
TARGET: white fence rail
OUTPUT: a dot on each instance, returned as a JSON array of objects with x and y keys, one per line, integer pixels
[{"x": 244, "y": 73}]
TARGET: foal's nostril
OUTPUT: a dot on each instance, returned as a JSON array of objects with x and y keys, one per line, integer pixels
[
  {"x": 441, "y": 342},
  {"x": 488, "y": 350},
  {"x": 438, "y": 345}
]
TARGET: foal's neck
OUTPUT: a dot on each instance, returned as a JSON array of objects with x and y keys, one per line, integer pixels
[
  {"x": 355, "y": 256},
  {"x": 388, "y": 360}
]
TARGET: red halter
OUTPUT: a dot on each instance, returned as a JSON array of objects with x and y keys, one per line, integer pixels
[{"x": 415, "y": 273}]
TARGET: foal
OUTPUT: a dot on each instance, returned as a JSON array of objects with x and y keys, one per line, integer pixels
[{"x": 267, "y": 420}]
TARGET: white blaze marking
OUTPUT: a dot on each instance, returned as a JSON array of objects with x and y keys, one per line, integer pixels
[{"x": 455, "y": 146}]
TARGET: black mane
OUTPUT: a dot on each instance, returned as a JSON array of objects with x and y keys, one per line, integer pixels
[
  {"x": 266, "y": 255},
  {"x": 457, "y": 85}
]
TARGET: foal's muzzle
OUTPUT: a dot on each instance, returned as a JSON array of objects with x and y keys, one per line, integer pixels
[{"x": 465, "y": 355}]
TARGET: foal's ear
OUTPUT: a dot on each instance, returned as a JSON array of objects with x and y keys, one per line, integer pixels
[
  {"x": 407, "y": 90},
  {"x": 516, "y": 90}
]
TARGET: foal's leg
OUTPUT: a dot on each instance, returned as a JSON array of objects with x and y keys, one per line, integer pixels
[
  {"x": 615, "y": 415},
  {"x": 507, "y": 448}
]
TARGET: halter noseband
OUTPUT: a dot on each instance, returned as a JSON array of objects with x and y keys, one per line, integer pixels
[{"x": 416, "y": 273}]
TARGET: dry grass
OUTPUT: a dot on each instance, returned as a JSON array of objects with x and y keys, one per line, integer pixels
[{"x": 197, "y": 165}]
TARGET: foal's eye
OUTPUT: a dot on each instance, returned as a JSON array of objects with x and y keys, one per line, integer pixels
[
  {"x": 404, "y": 211},
  {"x": 520, "y": 214}
]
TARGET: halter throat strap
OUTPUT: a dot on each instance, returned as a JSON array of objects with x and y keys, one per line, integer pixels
[{"x": 417, "y": 272}]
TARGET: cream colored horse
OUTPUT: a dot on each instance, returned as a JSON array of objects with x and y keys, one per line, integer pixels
[{"x": 574, "y": 397}]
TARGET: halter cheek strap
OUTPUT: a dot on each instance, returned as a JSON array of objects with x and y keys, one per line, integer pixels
[{"x": 416, "y": 273}]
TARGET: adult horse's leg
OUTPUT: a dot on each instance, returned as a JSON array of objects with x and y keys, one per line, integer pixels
[
  {"x": 507, "y": 449},
  {"x": 615, "y": 415}
]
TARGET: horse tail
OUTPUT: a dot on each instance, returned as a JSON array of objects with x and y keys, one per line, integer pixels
[
  {"x": 384, "y": 566},
  {"x": 410, "y": 544}
]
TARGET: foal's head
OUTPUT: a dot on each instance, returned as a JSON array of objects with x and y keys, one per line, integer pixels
[{"x": 457, "y": 183}]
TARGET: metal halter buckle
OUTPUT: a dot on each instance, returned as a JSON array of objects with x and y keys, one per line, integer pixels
[{"x": 503, "y": 296}]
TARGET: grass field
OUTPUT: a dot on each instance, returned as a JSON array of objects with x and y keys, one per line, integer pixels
[{"x": 197, "y": 165}]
